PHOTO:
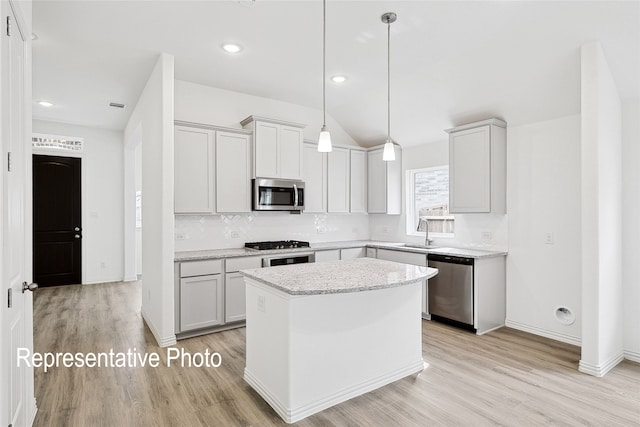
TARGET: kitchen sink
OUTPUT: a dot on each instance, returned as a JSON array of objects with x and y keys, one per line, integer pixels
[{"x": 420, "y": 246}]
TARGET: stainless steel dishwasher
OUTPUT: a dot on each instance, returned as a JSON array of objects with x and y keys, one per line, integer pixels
[{"x": 451, "y": 290}]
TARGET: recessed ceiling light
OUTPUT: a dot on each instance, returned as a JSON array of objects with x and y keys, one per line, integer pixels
[
  {"x": 231, "y": 47},
  {"x": 45, "y": 104},
  {"x": 339, "y": 79}
]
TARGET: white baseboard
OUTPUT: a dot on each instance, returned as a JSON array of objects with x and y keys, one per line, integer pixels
[
  {"x": 601, "y": 369},
  {"x": 569, "y": 339},
  {"x": 291, "y": 415},
  {"x": 162, "y": 341},
  {"x": 634, "y": 356}
]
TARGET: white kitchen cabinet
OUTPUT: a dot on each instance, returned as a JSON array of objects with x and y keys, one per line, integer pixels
[
  {"x": 358, "y": 182},
  {"x": 315, "y": 178},
  {"x": 328, "y": 255},
  {"x": 338, "y": 180},
  {"x": 384, "y": 189},
  {"x": 477, "y": 167},
  {"x": 194, "y": 185},
  {"x": 277, "y": 147},
  {"x": 235, "y": 309},
  {"x": 352, "y": 253},
  {"x": 234, "y": 296},
  {"x": 200, "y": 294},
  {"x": 372, "y": 253},
  {"x": 409, "y": 258},
  {"x": 233, "y": 172}
]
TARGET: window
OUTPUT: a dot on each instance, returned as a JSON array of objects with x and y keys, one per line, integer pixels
[{"x": 428, "y": 198}]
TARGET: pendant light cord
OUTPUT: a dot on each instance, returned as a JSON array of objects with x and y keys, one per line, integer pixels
[
  {"x": 389, "y": 81},
  {"x": 324, "y": 61}
]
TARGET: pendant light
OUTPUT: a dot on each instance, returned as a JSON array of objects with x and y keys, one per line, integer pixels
[
  {"x": 388, "y": 154},
  {"x": 324, "y": 140}
]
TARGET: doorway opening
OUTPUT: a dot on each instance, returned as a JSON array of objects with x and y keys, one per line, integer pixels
[{"x": 57, "y": 220}]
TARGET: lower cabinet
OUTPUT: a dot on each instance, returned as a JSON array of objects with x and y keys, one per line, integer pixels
[
  {"x": 200, "y": 294},
  {"x": 234, "y": 298},
  {"x": 407, "y": 258},
  {"x": 352, "y": 253},
  {"x": 328, "y": 255}
]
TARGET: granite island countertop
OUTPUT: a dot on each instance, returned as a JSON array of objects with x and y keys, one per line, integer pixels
[{"x": 362, "y": 274}]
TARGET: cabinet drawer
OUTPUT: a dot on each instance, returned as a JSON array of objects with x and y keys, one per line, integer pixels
[
  {"x": 403, "y": 257},
  {"x": 200, "y": 268},
  {"x": 244, "y": 263}
]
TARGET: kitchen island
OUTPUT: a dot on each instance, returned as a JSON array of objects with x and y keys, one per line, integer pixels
[{"x": 320, "y": 334}]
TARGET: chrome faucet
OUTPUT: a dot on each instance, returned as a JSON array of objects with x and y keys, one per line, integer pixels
[{"x": 423, "y": 225}]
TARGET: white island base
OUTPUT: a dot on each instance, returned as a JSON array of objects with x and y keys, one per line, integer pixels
[{"x": 306, "y": 353}]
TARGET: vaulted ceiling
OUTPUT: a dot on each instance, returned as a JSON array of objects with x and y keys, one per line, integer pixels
[{"x": 451, "y": 61}]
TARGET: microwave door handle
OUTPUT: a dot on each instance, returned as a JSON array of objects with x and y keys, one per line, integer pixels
[{"x": 295, "y": 195}]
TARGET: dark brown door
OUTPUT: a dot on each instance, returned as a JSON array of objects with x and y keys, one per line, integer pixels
[{"x": 57, "y": 226}]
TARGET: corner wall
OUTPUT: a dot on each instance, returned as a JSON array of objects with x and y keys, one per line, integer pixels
[
  {"x": 153, "y": 118},
  {"x": 601, "y": 160}
]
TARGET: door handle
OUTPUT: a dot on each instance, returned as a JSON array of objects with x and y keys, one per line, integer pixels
[
  {"x": 77, "y": 236},
  {"x": 29, "y": 287}
]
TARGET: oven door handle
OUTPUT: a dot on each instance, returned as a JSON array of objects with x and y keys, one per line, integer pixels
[{"x": 295, "y": 195}]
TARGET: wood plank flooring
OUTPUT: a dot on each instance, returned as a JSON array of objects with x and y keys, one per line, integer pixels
[{"x": 507, "y": 378}]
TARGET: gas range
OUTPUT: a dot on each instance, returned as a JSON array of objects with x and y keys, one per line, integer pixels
[{"x": 277, "y": 244}]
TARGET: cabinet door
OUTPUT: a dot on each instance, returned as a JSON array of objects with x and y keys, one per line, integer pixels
[
  {"x": 193, "y": 175},
  {"x": 377, "y": 182},
  {"x": 403, "y": 257},
  {"x": 290, "y": 146},
  {"x": 235, "y": 305},
  {"x": 233, "y": 172},
  {"x": 352, "y": 253},
  {"x": 200, "y": 302},
  {"x": 358, "y": 174},
  {"x": 338, "y": 180},
  {"x": 329, "y": 255},
  {"x": 470, "y": 171},
  {"x": 266, "y": 149},
  {"x": 315, "y": 188}
]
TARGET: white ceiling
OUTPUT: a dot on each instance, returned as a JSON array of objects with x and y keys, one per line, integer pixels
[{"x": 451, "y": 61}]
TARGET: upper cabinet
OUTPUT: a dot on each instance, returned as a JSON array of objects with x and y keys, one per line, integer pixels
[
  {"x": 315, "y": 179},
  {"x": 384, "y": 183},
  {"x": 358, "y": 173},
  {"x": 212, "y": 169},
  {"x": 233, "y": 172},
  {"x": 277, "y": 147},
  {"x": 338, "y": 180},
  {"x": 194, "y": 184},
  {"x": 477, "y": 167}
]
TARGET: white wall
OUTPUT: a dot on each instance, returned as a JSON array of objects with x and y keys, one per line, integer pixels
[
  {"x": 469, "y": 228},
  {"x": 601, "y": 161},
  {"x": 102, "y": 198},
  {"x": 631, "y": 227},
  {"x": 153, "y": 117},
  {"x": 195, "y": 232},
  {"x": 543, "y": 195},
  {"x": 209, "y": 105}
]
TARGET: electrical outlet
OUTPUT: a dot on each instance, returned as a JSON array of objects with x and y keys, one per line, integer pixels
[
  {"x": 234, "y": 234},
  {"x": 102, "y": 264},
  {"x": 487, "y": 236},
  {"x": 181, "y": 236},
  {"x": 548, "y": 238},
  {"x": 261, "y": 305}
]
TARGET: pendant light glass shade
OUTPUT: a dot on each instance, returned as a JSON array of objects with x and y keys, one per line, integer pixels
[
  {"x": 388, "y": 154},
  {"x": 324, "y": 139}
]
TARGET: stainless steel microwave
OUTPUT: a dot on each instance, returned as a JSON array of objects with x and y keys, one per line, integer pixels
[{"x": 277, "y": 195}]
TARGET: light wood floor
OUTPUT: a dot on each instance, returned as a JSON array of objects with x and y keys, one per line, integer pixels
[{"x": 503, "y": 378}]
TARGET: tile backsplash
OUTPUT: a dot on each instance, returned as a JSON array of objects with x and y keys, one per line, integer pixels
[{"x": 202, "y": 232}]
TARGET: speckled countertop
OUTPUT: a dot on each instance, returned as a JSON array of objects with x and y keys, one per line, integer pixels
[
  {"x": 241, "y": 252},
  {"x": 362, "y": 274}
]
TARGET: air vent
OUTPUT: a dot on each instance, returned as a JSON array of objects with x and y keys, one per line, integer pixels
[{"x": 116, "y": 105}]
